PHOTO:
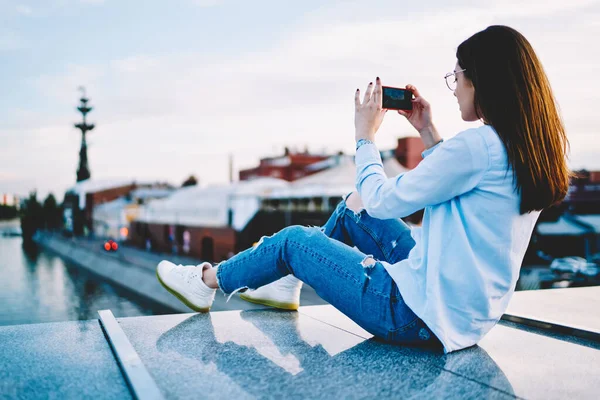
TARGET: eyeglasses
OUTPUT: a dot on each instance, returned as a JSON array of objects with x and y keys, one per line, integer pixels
[{"x": 451, "y": 79}]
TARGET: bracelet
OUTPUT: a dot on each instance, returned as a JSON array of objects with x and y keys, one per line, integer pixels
[
  {"x": 363, "y": 141},
  {"x": 440, "y": 141}
]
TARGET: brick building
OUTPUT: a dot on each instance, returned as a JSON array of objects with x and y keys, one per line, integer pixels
[
  {"x": 571, "y": 228},
  {"x": 297, "y": 188},
  {"x": 408, "y": 151},
  {"x": 289, "y": 167},
  {"x": 214, "y": 222},
  {"x": 80, "y": 200},
  {"x": 293, "y": 166},
  {"x": 584, "y": 193}
]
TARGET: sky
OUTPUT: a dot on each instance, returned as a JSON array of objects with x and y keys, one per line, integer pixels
[{"x": 178, "y": 86}]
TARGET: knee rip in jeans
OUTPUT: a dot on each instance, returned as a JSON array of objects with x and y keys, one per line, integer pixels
[
  {"x": 319, "y": 228},
  {"x": 255, "y": 245},
  {"x": 260, "y": 241},
  {"x": 357, "y": 214},
  {"x": 368, "y": 263}
]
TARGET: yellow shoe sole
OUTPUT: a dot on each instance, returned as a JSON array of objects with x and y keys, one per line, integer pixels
[
  {"x": 181, "y": 298},
  {"x": 271, "y": 303}
]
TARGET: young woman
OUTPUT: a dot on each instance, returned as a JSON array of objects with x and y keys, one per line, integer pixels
[{"x": 447, "y": 283}]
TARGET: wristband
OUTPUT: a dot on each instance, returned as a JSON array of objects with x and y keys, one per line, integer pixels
[{"x": 363, "y": 141}]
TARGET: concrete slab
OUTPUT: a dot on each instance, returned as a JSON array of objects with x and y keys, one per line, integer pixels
[
  {"x": 515, "y": 361},
  {"x": 538, "y": 366},
  {"x": 272, "y": 354},
  {"x": 65, "y": 360},
  {"x": 314, "y": 353},
  {"x": 575, "y": 308}
]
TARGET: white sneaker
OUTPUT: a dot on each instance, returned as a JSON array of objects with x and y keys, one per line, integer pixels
[
  {"x": 283, "y": 293},
  {"x": 185, "y": 283}
]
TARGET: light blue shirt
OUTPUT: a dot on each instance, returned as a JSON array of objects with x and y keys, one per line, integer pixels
[{"x": 462, "y": 271}]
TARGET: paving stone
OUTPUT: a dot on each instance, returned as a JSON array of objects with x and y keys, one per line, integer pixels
[{"x": 64, "y": 360}]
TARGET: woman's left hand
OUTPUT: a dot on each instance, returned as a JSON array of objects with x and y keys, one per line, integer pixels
[{"x": 369, "y": 114}]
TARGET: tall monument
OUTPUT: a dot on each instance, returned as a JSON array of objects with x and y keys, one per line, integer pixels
[{"x": 83, "y": 172}]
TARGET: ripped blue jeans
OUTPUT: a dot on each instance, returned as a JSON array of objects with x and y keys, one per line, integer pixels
[{"x": 341, "y": 262}]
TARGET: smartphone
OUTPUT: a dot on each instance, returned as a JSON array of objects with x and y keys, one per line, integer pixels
[{"x": 397, "y": 98}]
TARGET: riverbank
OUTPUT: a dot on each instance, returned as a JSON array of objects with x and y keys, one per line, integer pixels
[
  {"x": 39, "y": 286},
  {"x": 136, "y": 278},
  {"x": 134, "y": 270}
]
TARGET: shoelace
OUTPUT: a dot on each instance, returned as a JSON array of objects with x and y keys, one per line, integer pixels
[{"x": 186, "y": 273}]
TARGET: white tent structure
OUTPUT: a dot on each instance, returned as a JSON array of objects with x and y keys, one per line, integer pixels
[
  {"x": 336, "y": 181},
  {"x": 209, "y": 206},
  {"x": 110, "y": 218}
]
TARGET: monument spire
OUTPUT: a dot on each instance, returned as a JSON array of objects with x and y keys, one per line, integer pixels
[{"x": 83, "y": 172}]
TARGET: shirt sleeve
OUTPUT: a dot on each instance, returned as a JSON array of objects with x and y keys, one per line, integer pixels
[
  {"x": 430, "y": 150},
  {"x": 455, "y": 167}
]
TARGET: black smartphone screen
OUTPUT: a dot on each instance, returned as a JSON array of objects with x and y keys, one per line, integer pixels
[{"x": 396, "y": 98}]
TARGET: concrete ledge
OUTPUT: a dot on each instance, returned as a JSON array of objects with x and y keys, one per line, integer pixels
[
  {"x": 139, "y": 280},
  {"x": 572, "y": 311},
  {"x": 319, "y": 353},
  {"x": 316, "y": 352}
]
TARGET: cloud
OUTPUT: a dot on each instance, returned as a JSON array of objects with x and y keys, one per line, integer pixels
[
  {"x": 24, "y": 9},
  {"x": 43, "y": 158},
  {"x": 537, "y": 8},
  {"x": 206, "y": 3},
  {"x": 61, "y": 88},
  {"x": 10, "y": 41},
  {"x": 164, "y": 116},
  {"x": 8, "y": 175}
]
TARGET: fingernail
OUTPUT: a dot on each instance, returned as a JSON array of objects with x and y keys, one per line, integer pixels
[
  {"x": 370, "y": 83},
  {"x": 357, "y": 90},
  {"x": 377, "y": 78}
]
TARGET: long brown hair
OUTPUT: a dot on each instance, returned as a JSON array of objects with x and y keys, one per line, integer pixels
[{"x": 513, "y": 95}]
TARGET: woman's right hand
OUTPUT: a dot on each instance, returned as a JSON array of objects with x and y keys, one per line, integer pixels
[{"x": 420, "y": 115}]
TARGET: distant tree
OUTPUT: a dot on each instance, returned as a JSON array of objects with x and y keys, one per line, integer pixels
[
  {"x": 191, "y": 181},
  {"x": 32, "y": 216},
  {"x": 8, "y": 212},
  {"x": 52, "y": 213}
]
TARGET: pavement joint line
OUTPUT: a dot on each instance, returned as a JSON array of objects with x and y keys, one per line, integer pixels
[
  {"x": 480, "y": 383},
  {"x": 553, "y": 327},
  {"x": 330, "y": 324},
  {"x": 139, "y": 380}
]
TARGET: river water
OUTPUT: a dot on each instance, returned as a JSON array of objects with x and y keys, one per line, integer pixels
[{"x": 38, "y": 286}]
